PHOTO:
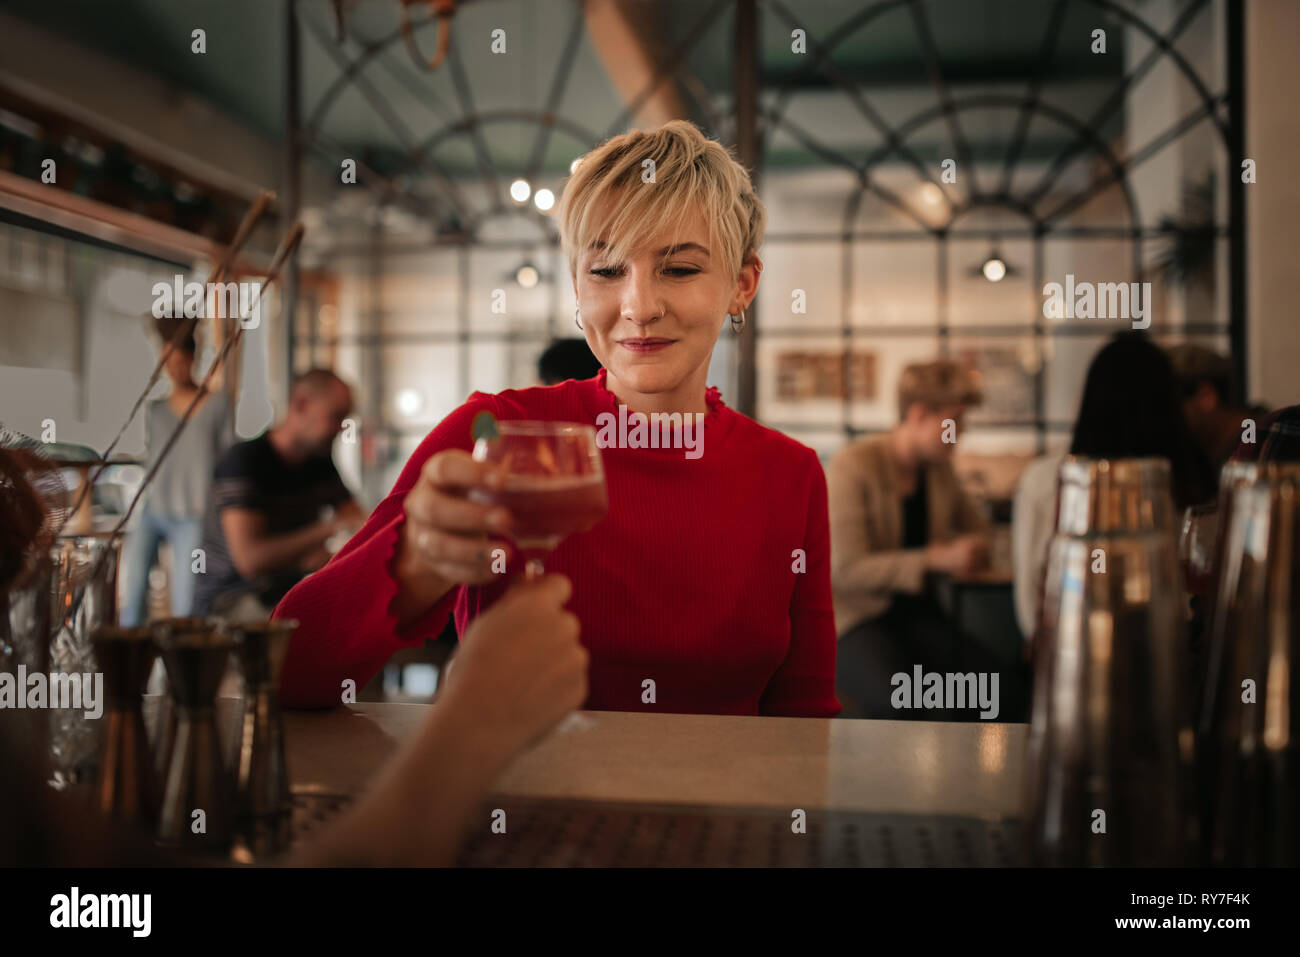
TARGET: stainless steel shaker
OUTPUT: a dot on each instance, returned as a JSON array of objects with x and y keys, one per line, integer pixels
[
  {"x": 1250, "y": 718},
  {"x": 1114, "y": 495},
  {"x": 1109, "y": 768}
]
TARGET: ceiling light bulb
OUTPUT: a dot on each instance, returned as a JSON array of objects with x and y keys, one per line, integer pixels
[
  {"x": 520, "y": 190},
  {"x": 994, "y": 269},
  {"x": 409, "y": 401}
]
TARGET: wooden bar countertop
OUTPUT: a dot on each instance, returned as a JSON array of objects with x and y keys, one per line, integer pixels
[{"x": 914, "y": 767}]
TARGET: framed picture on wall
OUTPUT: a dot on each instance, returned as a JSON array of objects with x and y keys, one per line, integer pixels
[{"x": 821, "y": 375}]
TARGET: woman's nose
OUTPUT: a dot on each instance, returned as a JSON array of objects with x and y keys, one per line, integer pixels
[{"x": 641, "y": 303}]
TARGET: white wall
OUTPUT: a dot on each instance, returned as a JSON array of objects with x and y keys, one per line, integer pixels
[{"x": 1273, "y": 202}]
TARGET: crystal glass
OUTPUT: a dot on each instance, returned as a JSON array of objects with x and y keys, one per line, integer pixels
[{"x": 85, "y": 597}]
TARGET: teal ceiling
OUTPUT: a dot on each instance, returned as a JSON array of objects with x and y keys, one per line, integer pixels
[
  {"x": 983, "y": 46},
  {"x": 241, "y": 72}
]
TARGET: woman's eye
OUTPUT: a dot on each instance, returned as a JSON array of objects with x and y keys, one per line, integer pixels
[{"x": 608, "y": 272}]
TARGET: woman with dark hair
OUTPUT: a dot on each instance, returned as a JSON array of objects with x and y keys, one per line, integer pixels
[{"x": 1130, "y": 409}]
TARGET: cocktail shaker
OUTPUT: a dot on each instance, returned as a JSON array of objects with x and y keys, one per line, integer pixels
[
  {"x": 1108, "y": 777},
  {"x": 1250, "y": 718},
  {"x": 1208, "y": 657},
  {"x": 1114, "y": 495},
  {"x": 1107, "y": 495}
]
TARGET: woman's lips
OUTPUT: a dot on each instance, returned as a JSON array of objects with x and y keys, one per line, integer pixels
[{"x": 645, "y": 345}]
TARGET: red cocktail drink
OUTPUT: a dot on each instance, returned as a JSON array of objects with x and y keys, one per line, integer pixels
[
  {"x": 547, "y": 508},
  {"x": 554, "y": 484}
]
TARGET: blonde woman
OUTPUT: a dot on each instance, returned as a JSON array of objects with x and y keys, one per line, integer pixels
[{"x": 706, "y": 588}]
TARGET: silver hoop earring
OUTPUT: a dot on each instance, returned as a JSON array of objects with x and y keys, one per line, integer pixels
[
  {"x": 577, "y": 317},
  {"x": 737, "y": 326}
]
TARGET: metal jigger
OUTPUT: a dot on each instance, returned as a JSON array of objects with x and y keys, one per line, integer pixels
[
  {"x": 164, "y": 725},
  {"x": 1250, "y": 752},
  {"x": 126, "y": 787},
  {"x": 263, "y": 805},
  {"x": 197, "y": 780}
]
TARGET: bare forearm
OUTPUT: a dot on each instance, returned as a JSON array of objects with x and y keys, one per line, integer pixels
[
  {"x": 268, "y": 553},
  {"x": 419, "y": 809}
]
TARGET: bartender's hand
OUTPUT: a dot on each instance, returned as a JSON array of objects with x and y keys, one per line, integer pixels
[
  {"x": 520, "y": 667},
  {"x": 961, "y": 556},
  {"x": 445, "y": 534}
]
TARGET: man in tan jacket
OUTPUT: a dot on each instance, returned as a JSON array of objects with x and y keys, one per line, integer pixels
[{"x": 898, "y": 512}]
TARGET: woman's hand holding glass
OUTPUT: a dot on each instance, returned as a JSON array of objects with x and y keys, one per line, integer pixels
[
  {"x": 521, "y": 492},
  {"x": 445, "y": 534},
  {"x": 554, "y": 483}
]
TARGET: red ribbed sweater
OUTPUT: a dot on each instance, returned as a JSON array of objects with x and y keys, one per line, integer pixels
[{"x": 708, "y": 576}]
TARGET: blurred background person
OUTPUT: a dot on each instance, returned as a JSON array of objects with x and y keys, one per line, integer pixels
[
  {"x": 1129, "y": 409},
  {"x": 898, "y": 512},
  {"x": 566, "y": 359},
  {"x": 1205, "y": 386},
  {"x": 276, "y": 501},
  {"x": 173, "y": 505}
]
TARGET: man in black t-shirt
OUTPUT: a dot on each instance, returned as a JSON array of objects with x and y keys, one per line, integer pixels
[{"x": 276, "y": 500}]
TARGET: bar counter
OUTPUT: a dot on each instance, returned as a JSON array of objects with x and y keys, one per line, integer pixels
[{"x": 912, "y": 767}]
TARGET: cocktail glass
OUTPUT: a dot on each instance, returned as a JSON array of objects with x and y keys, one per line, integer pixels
[{"x": 554, "y": 484}]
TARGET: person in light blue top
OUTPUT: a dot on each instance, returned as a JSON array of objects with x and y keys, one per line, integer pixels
[{"x": 173, "y": 506}]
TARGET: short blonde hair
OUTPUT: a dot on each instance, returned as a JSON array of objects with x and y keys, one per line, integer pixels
[
  {"x": 937, "y": 385},
  {"x": 607, "y": 197}
]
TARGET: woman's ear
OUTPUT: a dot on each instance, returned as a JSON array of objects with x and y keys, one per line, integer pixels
[{"x": 746, "y": 283}]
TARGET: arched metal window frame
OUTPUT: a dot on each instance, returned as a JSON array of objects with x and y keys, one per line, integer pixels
[{"x": 309, "y": 135}]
